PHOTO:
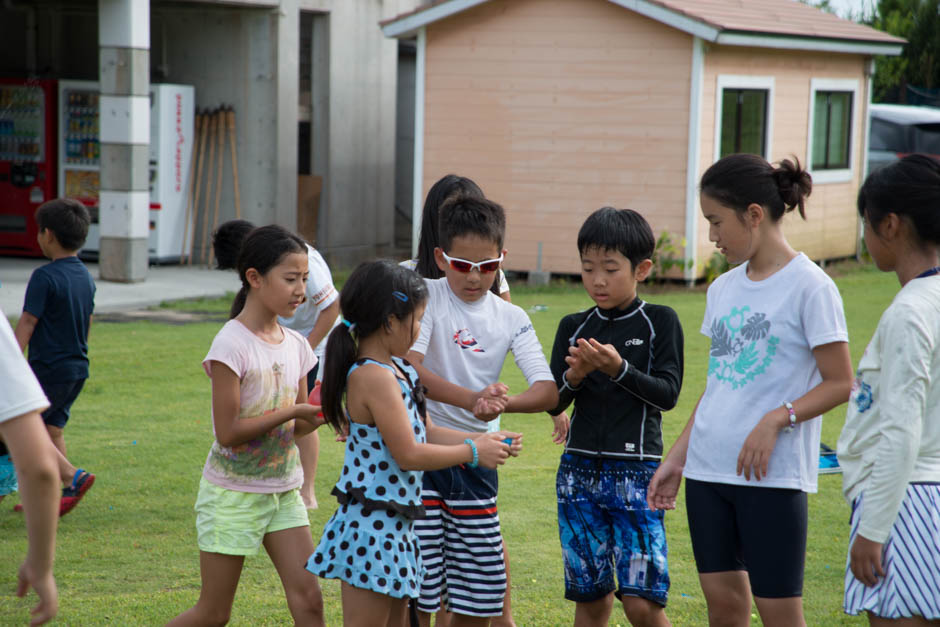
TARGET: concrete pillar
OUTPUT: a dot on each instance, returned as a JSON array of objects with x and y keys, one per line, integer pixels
[
  {"x": 124, "y": 74},
  {"x": 288, "y": 86}
]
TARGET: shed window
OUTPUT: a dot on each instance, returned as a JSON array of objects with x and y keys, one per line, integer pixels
[
  {"x": 832, "y": 129},
  {"x": 743, "y": 121}
]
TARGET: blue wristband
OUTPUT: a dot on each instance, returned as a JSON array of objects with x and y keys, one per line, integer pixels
[{"x": 476, "y": 456}]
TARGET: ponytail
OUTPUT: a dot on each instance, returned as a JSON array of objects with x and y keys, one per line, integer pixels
[
  {"x": 373, "y": 293},
  {"x": 739, "y": 180},
  {"x": 239, "y": 302},
  {"x": 341, "y": 353}
]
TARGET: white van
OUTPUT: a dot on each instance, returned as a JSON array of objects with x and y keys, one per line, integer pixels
[{"x": 898, "y": 130}]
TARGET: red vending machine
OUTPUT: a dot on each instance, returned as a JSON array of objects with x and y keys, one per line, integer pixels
[{"x": 28, "y": 160}]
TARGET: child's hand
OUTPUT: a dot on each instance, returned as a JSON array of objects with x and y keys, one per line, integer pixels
[
  {"x": 491, "y": 450},
  {"x": 516, "y": 438},
  {"x": 490, "y": 402},
  {"x": 755, "y": 453},
  {"x": 560, "y": 432},
  {"x": 865, "y": 560},
  {"x": 309, "y": 413},
  {"x": 488, "y": 409},
  {"x": 664, "y": 486},
  {"x": 342, "y": 435},
  {"x": 603, "y": 357},
  {"x": 578, "y": 367}
]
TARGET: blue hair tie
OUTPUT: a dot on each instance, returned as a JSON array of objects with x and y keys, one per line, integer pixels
[
  {"x": 400, "y": 296},
  {"x": 349, "y": 325}
]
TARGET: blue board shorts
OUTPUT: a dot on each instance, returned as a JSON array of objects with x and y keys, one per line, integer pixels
[{"x": 606, "y": 526}]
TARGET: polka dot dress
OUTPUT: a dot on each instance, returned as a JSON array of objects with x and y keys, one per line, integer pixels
[{"x": 369, "y": 541}]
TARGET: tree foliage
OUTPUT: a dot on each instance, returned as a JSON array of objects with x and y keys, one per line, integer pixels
[{"x": 917, "y": 21}]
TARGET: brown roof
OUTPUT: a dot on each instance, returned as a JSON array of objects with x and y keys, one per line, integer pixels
[
  {"x": 785, "y": 18},
  {"x": 777, "y": 17}
]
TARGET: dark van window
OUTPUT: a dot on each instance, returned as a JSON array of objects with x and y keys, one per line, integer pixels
[
  {"x": 927, "y": 139},
  {"x": 886, "y": 136}
]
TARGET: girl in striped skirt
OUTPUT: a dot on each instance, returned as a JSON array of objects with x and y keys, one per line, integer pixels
[{"x": 890, "y": 445}]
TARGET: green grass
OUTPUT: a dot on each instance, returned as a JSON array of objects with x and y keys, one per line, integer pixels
[{"x": 127, "y": 555}]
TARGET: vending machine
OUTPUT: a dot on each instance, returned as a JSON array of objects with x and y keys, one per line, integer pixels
[
  {"x": 172, "y": 118},
  {"x": 27, "y": 160}
]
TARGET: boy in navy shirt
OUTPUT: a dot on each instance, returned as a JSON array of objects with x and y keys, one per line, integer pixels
[
  {"x": 60, "y": 297},
  {"x": 620, "y": 362}
]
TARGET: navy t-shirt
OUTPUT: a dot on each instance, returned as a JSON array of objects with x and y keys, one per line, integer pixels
[{"x": 61, "y": 295}]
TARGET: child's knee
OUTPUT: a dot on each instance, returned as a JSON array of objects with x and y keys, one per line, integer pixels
[{"x": 642, "y": 611}]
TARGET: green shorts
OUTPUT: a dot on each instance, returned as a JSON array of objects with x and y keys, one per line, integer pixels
[{"x": 235, "y": 523}]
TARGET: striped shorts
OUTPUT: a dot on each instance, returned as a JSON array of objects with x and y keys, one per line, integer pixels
[
  {"x": 911, "y": 560},
  {"x": 460, "y": 542}
]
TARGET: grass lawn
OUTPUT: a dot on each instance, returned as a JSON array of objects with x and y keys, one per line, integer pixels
[{"x": 127, "y": 555}]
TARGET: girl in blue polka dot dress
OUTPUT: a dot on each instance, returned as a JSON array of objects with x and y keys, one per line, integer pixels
[{"x": 369, "y": 543}]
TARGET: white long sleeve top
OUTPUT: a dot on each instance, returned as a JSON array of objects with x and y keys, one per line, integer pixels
[{"x": 891, "y": 435}]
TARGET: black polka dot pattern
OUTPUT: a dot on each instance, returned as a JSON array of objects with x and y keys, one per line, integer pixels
[{"x": 375, "y": 549}]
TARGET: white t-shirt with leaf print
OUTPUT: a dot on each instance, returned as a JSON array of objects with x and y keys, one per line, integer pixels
[{"x": 762, "y": 338}]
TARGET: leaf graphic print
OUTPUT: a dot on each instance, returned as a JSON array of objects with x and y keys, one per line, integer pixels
[
  {"x": 746, "y": 359},
  {"x": 721, "y": 340},
  {"x": 757, "y": 326}
]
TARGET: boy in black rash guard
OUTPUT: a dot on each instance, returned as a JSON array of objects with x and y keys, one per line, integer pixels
[{"x": 621, "y": 364}]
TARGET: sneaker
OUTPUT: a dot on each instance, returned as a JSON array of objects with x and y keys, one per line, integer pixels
[{"x": 71, "y": 495}]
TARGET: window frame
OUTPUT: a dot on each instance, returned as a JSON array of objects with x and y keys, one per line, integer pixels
[
  {"x": 835, "y": 175},
  {"x": 745, "y": 82}
]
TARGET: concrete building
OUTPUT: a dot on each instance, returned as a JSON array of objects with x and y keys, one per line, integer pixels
[{"x": 313, "y": 84}]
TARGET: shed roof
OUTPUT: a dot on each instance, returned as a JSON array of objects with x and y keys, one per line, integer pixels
[{"x": 784, "y": 24}]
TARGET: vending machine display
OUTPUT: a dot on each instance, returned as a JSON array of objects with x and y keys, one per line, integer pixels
[
  {"x": 27, "y": 161},
  {"x": 172, "y": 120},
  {"x": 78, "y": 143}
]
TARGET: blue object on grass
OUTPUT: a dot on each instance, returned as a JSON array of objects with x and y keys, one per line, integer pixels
[{"x": 828, "y": 462}]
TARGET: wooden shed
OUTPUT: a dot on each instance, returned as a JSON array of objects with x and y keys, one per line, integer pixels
[{"x": 559, "y": 107}]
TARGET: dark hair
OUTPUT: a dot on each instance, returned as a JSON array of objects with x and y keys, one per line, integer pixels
[
  {"x": 264, "y": 248},
  {"x": 910, "y": 188},
  {"x": 738, "y": 180},
  {"x": 448, "y": 188},
  {"x": 227, "y": 242},
  {"x": 373, "y": 292},
  {"x": 471, "y": 216},
  {"x": 623, "y": 230},
  {"x": 68, "y": 220}
]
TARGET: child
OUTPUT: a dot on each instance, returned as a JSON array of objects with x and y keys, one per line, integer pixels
[
  {"x": 369, "y": 543},
  {"x": 248, "y": 494},
  {"x": 465, "y": 337},
  {"x": 60, "y": 297},
  {"x": 448, "y": 188},
  {"x": 890, "y": 445},
  {"x": 621, "y": 364},
  {"x": 21, "y": 427},
  {"x": 443, "y": 193},
  {"x": 779, "y": 359},
  {"x": 316, "y": 315}
]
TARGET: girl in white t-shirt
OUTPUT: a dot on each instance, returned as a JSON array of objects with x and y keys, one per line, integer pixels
[
  {"x": 889, "y": 449},
  {"x": 779, "y": 359},
  {"x": 249, "y": 492}
]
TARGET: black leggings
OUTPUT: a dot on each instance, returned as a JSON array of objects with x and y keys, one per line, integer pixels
[{"x": 760, "y": 530}]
